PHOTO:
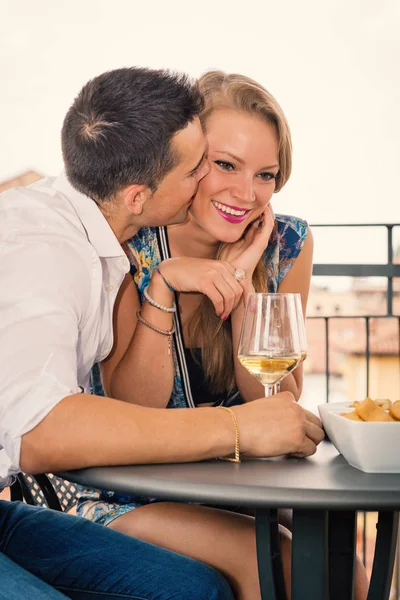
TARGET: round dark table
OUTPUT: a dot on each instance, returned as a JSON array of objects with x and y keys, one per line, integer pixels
[{"x": 325, "y": 493}]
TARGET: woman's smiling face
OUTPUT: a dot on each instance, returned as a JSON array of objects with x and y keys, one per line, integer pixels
[{"x": 243, "y": 155}]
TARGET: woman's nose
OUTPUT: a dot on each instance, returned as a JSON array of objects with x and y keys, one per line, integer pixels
[{"x": 243, "y": 189}]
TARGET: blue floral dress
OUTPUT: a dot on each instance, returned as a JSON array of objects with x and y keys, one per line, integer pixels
[{"x": 146, "y": 250}]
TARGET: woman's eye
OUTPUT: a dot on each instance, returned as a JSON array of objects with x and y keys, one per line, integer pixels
[
  {"x": 267, "y": 176},
  {"x": 226, "y": 166}
]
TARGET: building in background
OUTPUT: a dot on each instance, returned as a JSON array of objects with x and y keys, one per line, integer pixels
[{"x": 347, "y": 361}]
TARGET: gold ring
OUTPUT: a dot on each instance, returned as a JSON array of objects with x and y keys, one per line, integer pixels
[{"x": 239, "y": 274}]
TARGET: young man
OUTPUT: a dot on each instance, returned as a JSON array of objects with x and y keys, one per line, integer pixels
[{"x": 134, "y": 152}]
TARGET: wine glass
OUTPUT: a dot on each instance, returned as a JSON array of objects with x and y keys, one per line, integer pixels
[
  {"x": 302, "y": 336},
  {"x": 269, "y": 346},
  {"x": 301, "y": 327}
]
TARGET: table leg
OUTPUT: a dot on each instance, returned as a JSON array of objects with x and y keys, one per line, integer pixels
[
  {"x": 310, "y": 555},
  {"x": 385, "y": 550},
  {"x": 342, "y": 547},
  {"x": 269, "y": 559}
]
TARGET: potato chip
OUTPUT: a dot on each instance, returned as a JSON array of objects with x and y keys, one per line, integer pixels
[
  {"x": 368, "y": 410},
  {"x": 355, "y": 403},
  {"x": 394, "y": 411},
  {"x": 385, "y": 404},
  {"x": 380, "y": 410},
  {"x": 353, "y": 416}
]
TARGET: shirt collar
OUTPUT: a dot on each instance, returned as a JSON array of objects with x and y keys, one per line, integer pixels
[{"x": 99, "y": 232}]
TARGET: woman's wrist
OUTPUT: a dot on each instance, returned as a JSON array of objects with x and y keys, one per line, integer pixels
[
  {"x": 154, "y": 311},
  {"x": 159, "y": 291}
]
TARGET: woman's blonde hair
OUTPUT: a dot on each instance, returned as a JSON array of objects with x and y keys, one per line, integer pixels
[{"x": 231, "y": 91}]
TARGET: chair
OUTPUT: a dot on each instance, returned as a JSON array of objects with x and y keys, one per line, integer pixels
[{"x": 45, "y": 490}]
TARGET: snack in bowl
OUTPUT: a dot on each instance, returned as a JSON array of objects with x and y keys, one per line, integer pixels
[
  {"x": 358, "y": 432},
  {"x": 372, "y": 410},
  {"x": 394, "y": 410}
]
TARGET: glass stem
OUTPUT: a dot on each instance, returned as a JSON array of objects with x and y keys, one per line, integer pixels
[
  {"x": 277, "y": 388},
  {"x": 270, "y": 390}
]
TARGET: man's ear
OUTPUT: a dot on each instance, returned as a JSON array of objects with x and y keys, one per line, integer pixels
[{"x": 134, "y": 197}]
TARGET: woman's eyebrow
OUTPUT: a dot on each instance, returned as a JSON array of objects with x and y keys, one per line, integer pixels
[{"x": 239, "y": 160}]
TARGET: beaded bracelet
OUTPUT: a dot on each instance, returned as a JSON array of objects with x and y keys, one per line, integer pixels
[
  {"x": 237, "y": 447},
  {"x": 167, "y": 332},
  {"x": 152, "y": 302},
  {"x": 171, "y": 289}
]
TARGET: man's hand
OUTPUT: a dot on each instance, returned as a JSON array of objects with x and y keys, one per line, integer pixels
[
  {"x": 277, "y": 425},
  {"x": 213, "y": 278}
]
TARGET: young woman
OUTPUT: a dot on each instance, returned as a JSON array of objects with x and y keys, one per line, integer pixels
[{"x": 231, "y": 244}]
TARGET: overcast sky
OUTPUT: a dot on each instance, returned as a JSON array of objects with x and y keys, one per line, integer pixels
[{"x": 332, "y": 64}]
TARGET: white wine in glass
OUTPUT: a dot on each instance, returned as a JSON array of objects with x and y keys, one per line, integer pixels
[{"x": 269, "y": 346}]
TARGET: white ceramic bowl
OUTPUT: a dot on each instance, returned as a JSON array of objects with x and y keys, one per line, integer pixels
[{"x": 370, "y": 447}]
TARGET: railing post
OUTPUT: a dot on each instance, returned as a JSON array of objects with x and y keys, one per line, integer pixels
[{"x": 390, "y": 278}]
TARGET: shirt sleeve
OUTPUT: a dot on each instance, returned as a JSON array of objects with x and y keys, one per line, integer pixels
[{"x": 45, "y": 282}]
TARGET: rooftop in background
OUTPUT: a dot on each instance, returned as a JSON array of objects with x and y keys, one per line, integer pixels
[{"x": 22, "y": 180}]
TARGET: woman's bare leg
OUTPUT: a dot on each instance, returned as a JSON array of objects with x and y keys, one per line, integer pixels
[
  {"x": 222, "y": 539},
  {"x": 361, "y": 581}
]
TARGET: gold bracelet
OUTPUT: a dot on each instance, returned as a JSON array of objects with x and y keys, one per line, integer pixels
[
  {"x": 237, "y": 447},
  {"x": 167, "y": 332}
]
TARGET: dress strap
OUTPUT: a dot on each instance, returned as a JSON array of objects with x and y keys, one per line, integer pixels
[{"x": 165, "y": 253}]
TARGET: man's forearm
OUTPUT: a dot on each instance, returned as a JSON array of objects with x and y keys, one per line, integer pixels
[{"x": 85, "y": 430}]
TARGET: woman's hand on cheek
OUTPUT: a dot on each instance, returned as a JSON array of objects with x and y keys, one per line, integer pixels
[{"x": 246, "y": 253}]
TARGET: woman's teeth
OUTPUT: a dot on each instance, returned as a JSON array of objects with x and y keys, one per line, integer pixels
[{"x": 230, "y": 211}]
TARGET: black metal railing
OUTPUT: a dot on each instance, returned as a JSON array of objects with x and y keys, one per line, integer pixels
[{"x": 389, "y": 271}]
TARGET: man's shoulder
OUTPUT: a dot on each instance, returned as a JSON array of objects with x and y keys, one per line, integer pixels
[
  {"x": 39, "y": 207},
  {"x": 39, "y": 189},
  {"x": 40, "y": 196},
  {"x": 39, "y": 225}
]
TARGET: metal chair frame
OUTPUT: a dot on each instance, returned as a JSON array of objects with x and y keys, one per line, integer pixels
[{"x": 44, "y": 490}]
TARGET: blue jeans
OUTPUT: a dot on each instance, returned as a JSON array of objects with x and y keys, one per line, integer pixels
[{"x": 45, "y": 554}]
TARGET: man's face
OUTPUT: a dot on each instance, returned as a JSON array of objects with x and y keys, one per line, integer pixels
[{"x": 171, "y": 201}]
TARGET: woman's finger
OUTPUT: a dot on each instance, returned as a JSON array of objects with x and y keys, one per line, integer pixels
[
  {"x": 228, "y": 294},
  {"x": 269, "y": 217},
  {"x": 209, "y": 290},
  {"x": 227, "y": 266},
  {"x": 268, "y": 223},
  {"x": 252, "y": 231},
  {"x": 236, "y": 287},
  {"x": 231, "y": 279}
]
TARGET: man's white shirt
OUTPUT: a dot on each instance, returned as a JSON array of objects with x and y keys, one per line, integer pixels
[{"x": 61, "y": 267}]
